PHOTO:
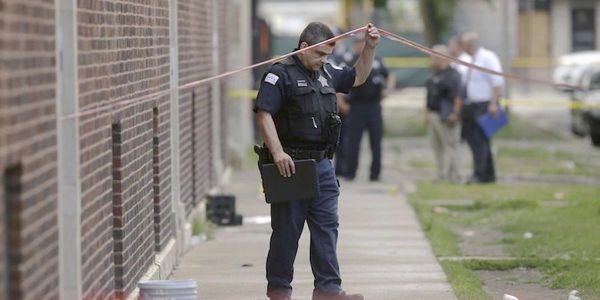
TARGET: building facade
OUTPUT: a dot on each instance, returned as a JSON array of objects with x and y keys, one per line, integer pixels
[
  {"x": 104, "y": 160},
  {"x": 529, "y": 35},
  {"x": 574, "y": 26}
]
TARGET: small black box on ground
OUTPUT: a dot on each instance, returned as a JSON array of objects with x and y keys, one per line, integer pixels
[{"x": 220, "y": 209}]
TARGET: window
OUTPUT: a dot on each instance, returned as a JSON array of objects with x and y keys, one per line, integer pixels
[
  {"x": 595, "y": 81},
  {"x": 583, "y": 29},
  {"x": 12, "y": 215}
]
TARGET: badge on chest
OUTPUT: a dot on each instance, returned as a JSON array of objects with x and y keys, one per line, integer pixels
[{"x": 323, "y": 81}]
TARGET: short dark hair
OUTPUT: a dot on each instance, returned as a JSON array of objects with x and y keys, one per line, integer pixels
[{"x": 314, "y": 33}]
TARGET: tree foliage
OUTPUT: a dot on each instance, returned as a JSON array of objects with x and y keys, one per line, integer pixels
[{"x": 437, "y": 18}]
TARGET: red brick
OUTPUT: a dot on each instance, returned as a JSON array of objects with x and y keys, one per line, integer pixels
[
  {"x": 27, "y": 81},
  {"x": 123, "y": 53}
]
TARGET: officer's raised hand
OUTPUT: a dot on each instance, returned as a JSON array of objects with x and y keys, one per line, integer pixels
[
  {"x": 284, "y": 164},
  {"x": 373, "y": 36},
  {"x": 365, "y": 60}
]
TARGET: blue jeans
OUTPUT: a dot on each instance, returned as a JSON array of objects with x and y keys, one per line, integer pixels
[{"x": 287, "y": 222}]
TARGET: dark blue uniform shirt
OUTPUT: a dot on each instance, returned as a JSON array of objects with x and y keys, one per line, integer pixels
[
  {"x": 275, "y": 84},
  {"x": 371, "y": 91}
]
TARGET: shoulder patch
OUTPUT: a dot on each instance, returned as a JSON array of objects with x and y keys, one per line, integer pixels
[{"x": 271, "y": 78}]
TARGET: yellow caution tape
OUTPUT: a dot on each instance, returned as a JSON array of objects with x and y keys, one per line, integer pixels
[
  {"x": 242, "y": 94},
  {"x": 575, "y": 105},
  {"x": 532, "y": 103},
  {"x": 407, "y": 62},
  {"x": 533, "y": 62},
  {"x": 425, "y": 62}
]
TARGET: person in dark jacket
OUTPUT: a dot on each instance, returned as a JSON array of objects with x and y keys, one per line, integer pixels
[{"x": 442, "y": 116}]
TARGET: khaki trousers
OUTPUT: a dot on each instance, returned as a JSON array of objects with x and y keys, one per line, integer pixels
[{"x": 445, "y": 141}]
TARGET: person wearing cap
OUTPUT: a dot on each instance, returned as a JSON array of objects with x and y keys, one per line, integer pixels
[
  {"x": 366, "y": 114},
  {"x": 442, "y": 116},
  {"x": 297, "y": 117}
]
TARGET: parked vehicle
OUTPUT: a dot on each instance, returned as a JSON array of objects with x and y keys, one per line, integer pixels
[
  {"x": 585, "y": 109},
  {"x": 570, "y": 67}
]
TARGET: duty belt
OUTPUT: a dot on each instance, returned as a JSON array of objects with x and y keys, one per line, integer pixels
[{"x": 305, "y": 154}]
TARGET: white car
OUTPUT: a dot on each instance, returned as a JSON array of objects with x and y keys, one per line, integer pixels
[
  {"x": 570, "y": 67},
  {"x": 585, "y": 112}
]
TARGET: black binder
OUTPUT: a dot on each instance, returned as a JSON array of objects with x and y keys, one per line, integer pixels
[{"x": 304, "y": 185}]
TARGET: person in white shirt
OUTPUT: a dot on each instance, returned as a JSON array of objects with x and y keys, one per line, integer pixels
[{"x": 482, "y": 92}]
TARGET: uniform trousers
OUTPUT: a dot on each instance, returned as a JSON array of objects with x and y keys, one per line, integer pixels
[{"x": 287, "y": 223}]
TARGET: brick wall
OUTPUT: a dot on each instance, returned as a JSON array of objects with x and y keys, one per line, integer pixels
[
  {"x": 164, "y": 224},
  {"x": 123, "y": 54},
  {"x": 195, "y": 62},
  {"x": 133, "y": 195},
  {"x": 28, "y": 192},
  {"x": 125, "y": 154}
]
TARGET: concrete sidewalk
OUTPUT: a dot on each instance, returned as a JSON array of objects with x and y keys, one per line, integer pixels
[{"x": 382, "y": 250}]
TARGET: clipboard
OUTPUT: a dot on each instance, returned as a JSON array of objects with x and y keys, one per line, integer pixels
[
  {"x": 304, "y": 185},
  {"x": 490, "y": 125}
]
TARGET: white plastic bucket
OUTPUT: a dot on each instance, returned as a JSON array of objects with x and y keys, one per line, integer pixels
[{"x": 168, "y": 290}]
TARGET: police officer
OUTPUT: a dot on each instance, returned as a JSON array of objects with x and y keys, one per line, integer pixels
[
  {"x": 365, "y": 113},
  {"x": 296, "y": 112}
]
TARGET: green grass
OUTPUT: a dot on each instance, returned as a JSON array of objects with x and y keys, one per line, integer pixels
[
  {"x": 444, "y": 242},
  {"x": 403, "y": 122},
  {"x": 517, "y": 160},
  {"x": 408, "y": 122},
  {"x": 558, "y": 231},
  {"x": 501, "y": 265},
  {"x": 583, "y": 275},
  {"x": 565, "y": 242},
  {"x": 464, "y": 281},
  {"x": 547, "y": 161},
  {"x": 421, "y": 164},
  {"x": 206, "y": 227},
  {"x": 519, "y": 128}
]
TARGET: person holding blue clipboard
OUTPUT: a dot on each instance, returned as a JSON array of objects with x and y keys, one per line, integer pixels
[{"x": 481, "y": 114}]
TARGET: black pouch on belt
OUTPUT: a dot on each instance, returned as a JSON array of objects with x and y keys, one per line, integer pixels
[
  {"x": 332, "y": 131},
  {"x": 264, "y": 156}
]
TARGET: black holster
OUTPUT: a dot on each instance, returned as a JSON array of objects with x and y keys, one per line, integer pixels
[
  {"x": 264, "y": 156},
  {"x": 333, "y": 129}
]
